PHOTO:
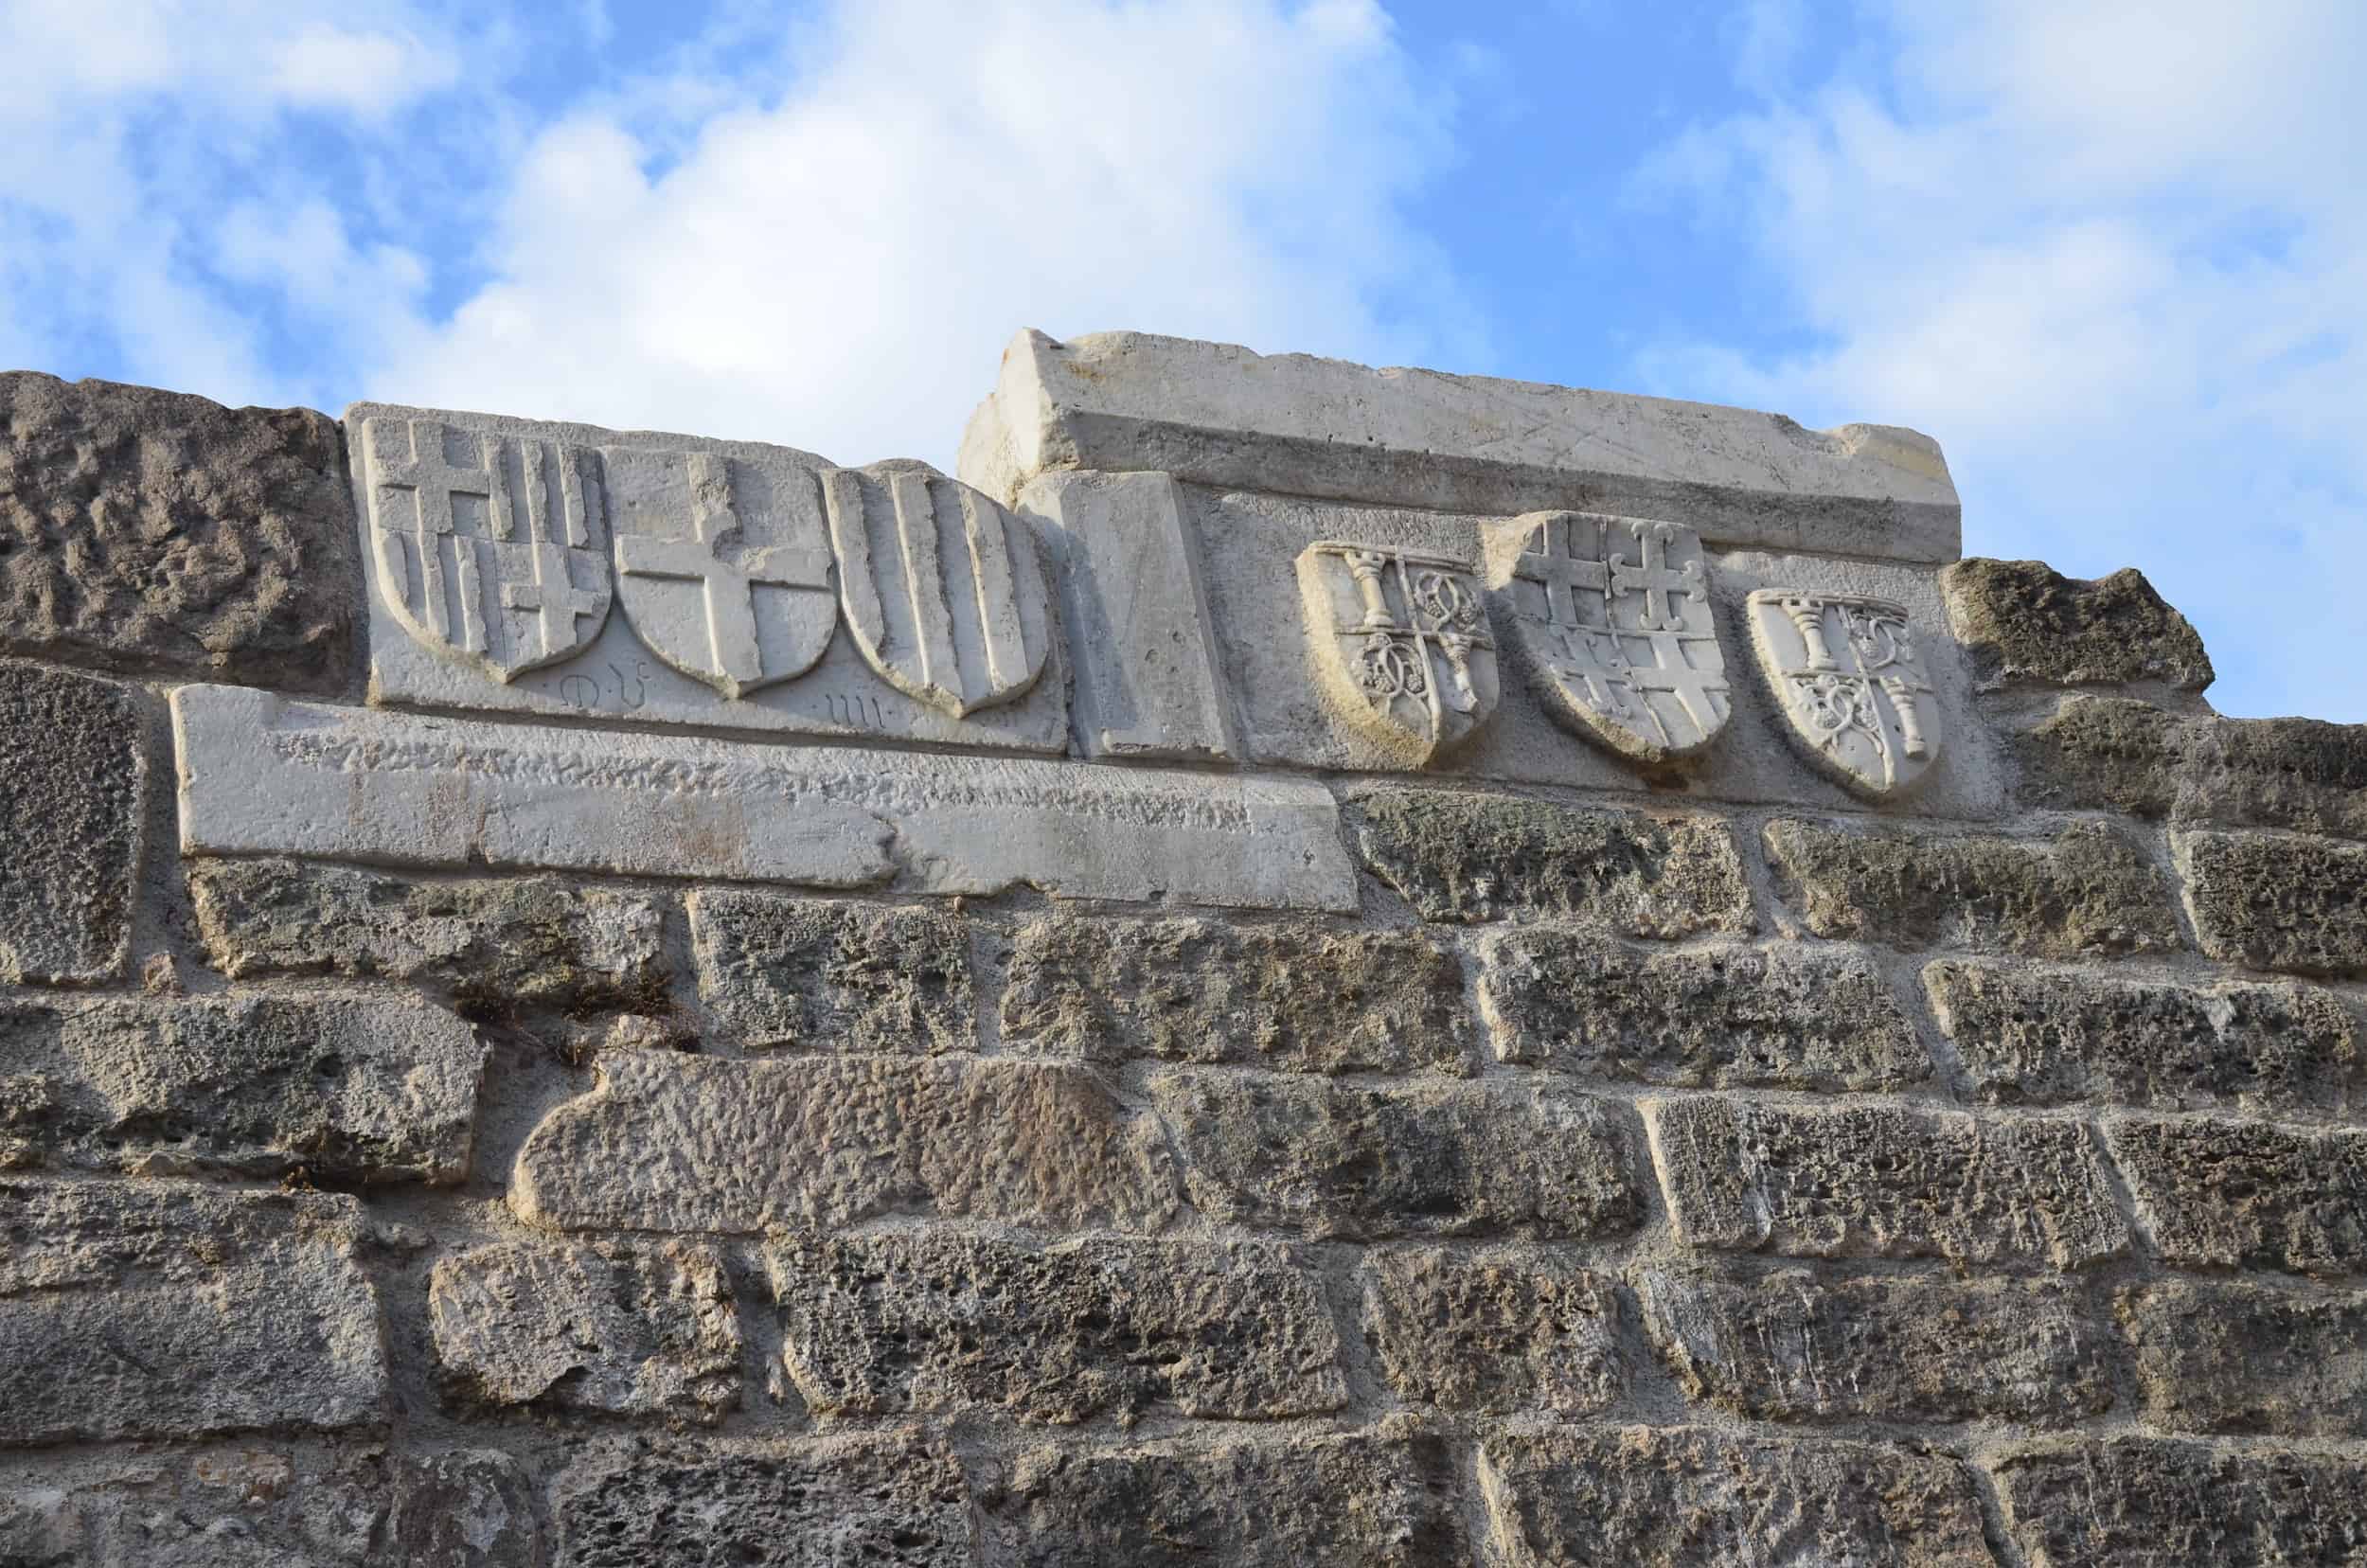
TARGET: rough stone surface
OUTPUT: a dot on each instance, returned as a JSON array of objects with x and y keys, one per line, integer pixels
[
  {"x": 2135, "y": 1503},
  {"x": 1338, "y": 1502},
  {"x": 854, "y": 977},
  {"x": 1462, "y": 856},
  {"x": 647, "y": 1330},
  {"x": 675, "y": 1143},
  {"x": 2225, "y": 1355},
  {"x": 72, "y": 788},
  {"x": 1303, "y": 997},
  {"x": 1494, "y": 1336},
  {"x": 888, "y": 1325},
  {"x": 1883, "y": 1182},
  {"x": 151, "y": 531},
  {"x": 1333, "y": 1160},
  {"x": 2276, "y": 902},
  {"x": 1674, "y": 1498},
  {"x": 2024, "y": 621},
  {"x": 497, "y": 943},
  {"x": 2087, "y": 891},
  {"x": 1787, "y": 1348},
  {"x": 1701, "y": 1018},
  {"x": 2230, "y": 1194},
  {"x": 2300, "y": 774},
  {"x": 2051, "y": 1036},
  {"x": 2103, "y": 753},
  {"x": 169, "y": 1310}
]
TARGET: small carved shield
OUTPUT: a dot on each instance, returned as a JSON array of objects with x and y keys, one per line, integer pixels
[
  {"x": 942, "y": 587},
  {"x": 1611, "y": 617},
  {"x": 491, "y": 548},
  {"x": 721, "y": 563},
  {"x": 1402, "y": 643},
  {"x": 1847, "y": 673}
]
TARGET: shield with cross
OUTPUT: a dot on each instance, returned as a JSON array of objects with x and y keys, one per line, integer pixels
[
  {"x": 1610, "y": 618},
  {"x": 491, "y": 549},
  {"x": 722, "y": 565},
  {"x": 1401, "y": 644},
  {"x": 1852, "y": 686}
]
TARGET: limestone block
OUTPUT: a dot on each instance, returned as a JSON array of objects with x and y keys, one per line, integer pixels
[
  {"x": 1883, "y": 1182},
  {"x": 673, "y": 1143},
  {"x": 930, "y": 1322},
  {"x": 2117, "y": 754},
  {"x": 2140, "y": 1503},
  {"x": 163, "y": 1309},
  {"x": 153, "y": 531},
  {"x": 1217, "y": 414},
  {"x": 894, "y": 1499},
  {"x": 1471, "y": 857},
  {"x": 1303, "y": 997},
  {"x": 503, "y": 942},
  {"x": 1359, "y": 1502},
  {"x": 342, "y": 1089},
  {"x": 1333, "y": 1160},
  {"x": 2053, "y": 1036},
  {"x": 2088, "y": 890},
  {"x": 1674, "y": 1497},
  {"x": 645, "y": 1330},
  {"x": 1785, "y": 1017},
  {"x": 2274, "y": 902},
  {"x": 72, "y": 785},
  {"x": 1494, "y": 1335},
  {"x": 2232, "y": 1194},
  {"x": 2227, "y": 1355},
  {"x": 1785, "y": 1347},
  {"x": 259, "y": 775},
  {"x": 796, "y": 971},
  {"x": 2103, "y": 753},
  {"x": 2024, "y": 621}
]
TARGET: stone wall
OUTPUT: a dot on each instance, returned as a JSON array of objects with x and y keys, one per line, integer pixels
[{"x": 1279, "y": 981}]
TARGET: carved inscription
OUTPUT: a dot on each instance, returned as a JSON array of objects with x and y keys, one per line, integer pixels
[
  {"x": 1401, "y": 644},
  {"x": 1846, "y": 673}
]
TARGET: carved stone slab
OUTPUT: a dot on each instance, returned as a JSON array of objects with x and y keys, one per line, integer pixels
[
  {"x": 1611, "y": 617},
  {"x": 1401, "y": 643},
  {"x": 259, "y": 775},
  {"x": 1845, "y": 672}
]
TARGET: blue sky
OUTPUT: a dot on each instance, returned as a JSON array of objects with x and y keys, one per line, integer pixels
[{"x": 2113, "y": 255}]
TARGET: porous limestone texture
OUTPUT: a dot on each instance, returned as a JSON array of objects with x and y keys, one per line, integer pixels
[
  {"x": 72, "y": 786},
  {"x": 2022, "y": 620}
]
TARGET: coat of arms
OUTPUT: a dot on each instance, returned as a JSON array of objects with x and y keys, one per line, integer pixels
[
  {"x": 491, "y": 548},
  {"x": 1844, "y": 669},
  {"x": 1401, "y": 644},
  {"x": 1611, "y": 616}
]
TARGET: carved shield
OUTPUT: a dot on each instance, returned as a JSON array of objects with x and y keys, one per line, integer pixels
[
  {"x": 1610, "y": 618},
  {"x": 491, "y": 548},
  {"x": 1847, "y": 673},
  {"x": 721, "y": 563},
  {"x": 942, "y": 587},
  {"x": 1402, "y": 648}
]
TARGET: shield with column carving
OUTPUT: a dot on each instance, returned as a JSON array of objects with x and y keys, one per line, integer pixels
[{"x": 1402, "y": 648}]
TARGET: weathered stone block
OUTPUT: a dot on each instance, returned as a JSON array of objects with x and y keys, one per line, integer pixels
[
  {"x": 894, "y": 1501},
  {"x": 497, "y": 942},
  {"x": 1301, "y": 996},
  {"x": 2300, "y": 774},
  {"x": 1788, "y": 1348},
  {"x": 2241, "y": 1194},
  {"x": 2088, "y": 890},
  {"x": 1494, "y": 1336},
  {"x": 673, "y": 1143},
  {"x": 2137, "y": 1503},
  {"x": 885, "y": 1325},
  {"x": 1471, "y": 857},
  {"x": 2051, "y": 1037},
  {"x": 1447, "y": 1160},
  {"x": 2277, "y": 903},
  {"x": 72, "y": 781},
  {"x": 640, "y": 1330},
  {"x": 2103, "y": 753},
  {"x": 2022, "y": 620},
  {"x": 1334, "y": 1503},
  {"x": 2227, "y": 1355},
  {"x": 160, "y": 1310},
  {"x": 151, "y": 531},
  {"x": 1675, "y": 1497},
  {"x": 1882, "y": 1182},
  {"x": 793, "y": 971},
  {"x": 1787, "y": 1017}
]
